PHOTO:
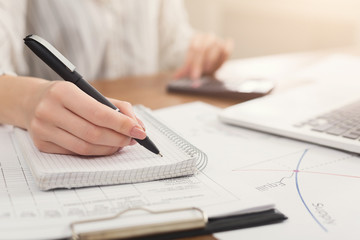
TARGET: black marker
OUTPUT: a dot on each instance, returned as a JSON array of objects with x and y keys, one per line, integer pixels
[{"x": 57, "y": 62}]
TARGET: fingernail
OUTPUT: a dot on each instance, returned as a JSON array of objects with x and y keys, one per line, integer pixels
[
  {"x": 137, "y": 132},
  {"x": 141, "y": 123}
]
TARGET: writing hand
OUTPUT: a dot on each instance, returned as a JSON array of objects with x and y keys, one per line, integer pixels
[{"x": 63, "y": 119}]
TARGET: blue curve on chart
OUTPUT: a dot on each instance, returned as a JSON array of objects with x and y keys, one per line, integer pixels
[{"x": 298, "y": 190}]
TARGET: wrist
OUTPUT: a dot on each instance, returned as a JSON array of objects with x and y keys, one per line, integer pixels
[
  {"x": 32, "y": 93},
  {"x": 16, "y": 95}
]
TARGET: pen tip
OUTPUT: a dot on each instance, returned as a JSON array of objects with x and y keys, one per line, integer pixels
[{"x": 160, "y": 154}]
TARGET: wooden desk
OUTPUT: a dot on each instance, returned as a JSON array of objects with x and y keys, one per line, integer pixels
[{"x": 150, "y": 91}]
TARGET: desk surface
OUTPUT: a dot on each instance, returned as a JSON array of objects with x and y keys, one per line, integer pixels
[{"x": 151, "y": 92}]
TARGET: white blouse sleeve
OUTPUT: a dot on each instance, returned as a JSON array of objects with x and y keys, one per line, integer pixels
[
  {"x": 174, "y": 34},
  {"x": 12, "y": 32}
]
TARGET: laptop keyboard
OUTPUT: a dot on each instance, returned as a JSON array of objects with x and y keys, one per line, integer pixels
[{"x": 343, "y": 122}]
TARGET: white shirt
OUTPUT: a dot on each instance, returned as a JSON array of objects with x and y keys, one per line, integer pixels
[{"x": 102, "y": 38}]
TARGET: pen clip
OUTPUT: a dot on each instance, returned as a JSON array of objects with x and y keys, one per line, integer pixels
[{"x": 52, "y": 50}]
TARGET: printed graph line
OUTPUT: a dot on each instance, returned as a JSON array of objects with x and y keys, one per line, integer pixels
[
  {"x": 301, "y": 197},
  {"x": 294, "y": 171}
]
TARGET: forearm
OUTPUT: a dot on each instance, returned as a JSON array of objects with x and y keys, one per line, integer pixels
[{"x": 16, "y": 94}]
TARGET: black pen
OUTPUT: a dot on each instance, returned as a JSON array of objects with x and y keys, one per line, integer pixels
[{"x": 57, "y": 62}]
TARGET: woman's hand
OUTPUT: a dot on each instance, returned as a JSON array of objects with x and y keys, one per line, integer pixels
[
  {"x": 63, "y": 119},
  {"x": 205, "y": 55}
]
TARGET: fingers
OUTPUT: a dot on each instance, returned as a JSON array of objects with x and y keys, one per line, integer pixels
[
  {"x": 181, "y": 72},
  {"x": 88, "y": 131},
  {"x": 185, "y": 69},
  {"x": 66, "y": 120},
  {"x": 50, "y": 147},
  {"x": 194, "y": 59},
  {"x": 127, "y": 109},
  {"x": 198, "y": 49},
  {"x": 205, "y": 55},
  {"x": 213, "y": 56},
  {"x": 227, "y": 47},
  {"x": 100, "y": 115},
  {"x": 141, "y": 123},
  {"x": 63, "y": 142}
]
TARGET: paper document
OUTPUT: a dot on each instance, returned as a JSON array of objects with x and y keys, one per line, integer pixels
[
  {"x": 316, "y": 187},
  {"x": 28, "y": 213},
  {"x": 132, "y": 164}
]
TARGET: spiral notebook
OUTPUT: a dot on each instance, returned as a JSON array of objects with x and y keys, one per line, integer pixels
[{"x": 130, "y": 165}]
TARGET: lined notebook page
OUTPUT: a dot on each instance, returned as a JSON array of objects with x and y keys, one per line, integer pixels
[{"x": 131, "y": 164}]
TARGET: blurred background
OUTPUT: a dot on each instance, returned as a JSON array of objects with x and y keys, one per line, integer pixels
[{"x": 264, "y": 27}]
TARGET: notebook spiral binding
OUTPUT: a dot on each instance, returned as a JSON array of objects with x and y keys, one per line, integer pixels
[{"x": 181, "y": 142}]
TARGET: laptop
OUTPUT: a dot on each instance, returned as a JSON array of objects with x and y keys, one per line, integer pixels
[{"x": 324, "y": 114}]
